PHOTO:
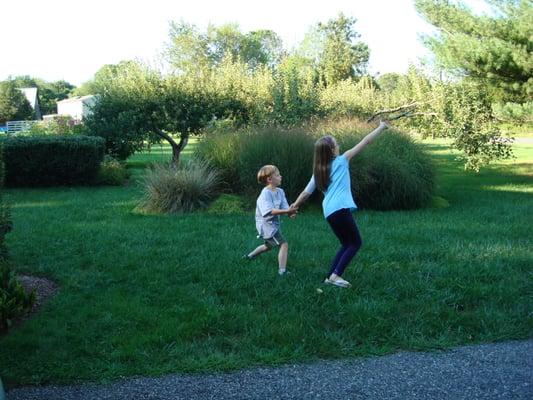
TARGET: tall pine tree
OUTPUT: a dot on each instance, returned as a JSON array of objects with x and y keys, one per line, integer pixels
[{"x": 493, "y": 49}]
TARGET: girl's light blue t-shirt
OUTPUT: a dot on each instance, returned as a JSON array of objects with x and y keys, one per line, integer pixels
[{"x": 339, "y": 193}]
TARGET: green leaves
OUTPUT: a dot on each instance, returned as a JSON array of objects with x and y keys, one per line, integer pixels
[{"x": 494, "y": 50}]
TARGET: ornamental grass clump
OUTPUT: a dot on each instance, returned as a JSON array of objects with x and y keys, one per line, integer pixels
[{"x": 179, "y": 190}]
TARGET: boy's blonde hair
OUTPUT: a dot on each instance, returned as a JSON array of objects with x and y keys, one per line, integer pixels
[{"x": 266, "y": 172}]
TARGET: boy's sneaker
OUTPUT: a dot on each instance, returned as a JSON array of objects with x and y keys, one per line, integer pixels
[
  {"x": 283, "y": 272},
  {"x": 338, "y": 281},
  {"x": 247, "y": 257}
]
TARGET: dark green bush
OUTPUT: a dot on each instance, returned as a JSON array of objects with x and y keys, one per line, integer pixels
[
  {"x": 392, "y": 173},
  {"x": 52, "y": 160},
  {"x": 239, "y": 156}
]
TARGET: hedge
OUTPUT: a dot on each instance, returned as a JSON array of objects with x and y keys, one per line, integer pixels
[{"x": 52, "y": 160}]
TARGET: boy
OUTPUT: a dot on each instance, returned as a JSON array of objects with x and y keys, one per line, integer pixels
[{"x": 271, "y": 203}]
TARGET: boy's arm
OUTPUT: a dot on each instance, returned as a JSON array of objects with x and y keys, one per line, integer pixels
[
  {"x": 285, "y": 209},
  {"x": 366, "y": 140},
  {"x": 288, "y": 211}
]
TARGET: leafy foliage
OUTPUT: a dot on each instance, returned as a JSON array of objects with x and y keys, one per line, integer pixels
[
  {"x": 14, "y": 301},
  {"x": 495, "y": 50},
  {"x": 393, "y": 173},
  {"x": 111, "y": 172},
  {"x": 342, "y": 56},
  {"x": 295, "y": 96},
  {"x": 13, "y": 104},
  {"x": 190, "y": 50},
  {"x": 461, "y": 111},
  {"x": 59, "y": 125},
  {"x": 52, "y": 160},
  {"x": 348, "y": 98},
  {"x": 49, "y": 93},
  {"x": 515, "y": 113},
  {"x": 240, "y": 154}
]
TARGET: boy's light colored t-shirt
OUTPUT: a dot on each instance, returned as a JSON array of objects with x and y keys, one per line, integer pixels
[
  {"x": 339, "y": 193},
  {"x": 267, "y": 224}
]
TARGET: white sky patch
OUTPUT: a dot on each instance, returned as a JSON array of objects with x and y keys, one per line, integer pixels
[{"x": 71, "y": 40}]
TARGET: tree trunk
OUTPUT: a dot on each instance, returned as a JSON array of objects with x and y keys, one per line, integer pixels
[{"x": 176, "y": 147}]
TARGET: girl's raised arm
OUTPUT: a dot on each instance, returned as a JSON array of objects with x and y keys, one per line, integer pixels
[{"x": 366, "y": 140}]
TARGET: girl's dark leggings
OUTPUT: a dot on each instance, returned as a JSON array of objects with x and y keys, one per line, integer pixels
[{"x": 344, "y": 227}]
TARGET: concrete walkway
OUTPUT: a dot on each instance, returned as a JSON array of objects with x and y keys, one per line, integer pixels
[{"x": 488, "y": 371}]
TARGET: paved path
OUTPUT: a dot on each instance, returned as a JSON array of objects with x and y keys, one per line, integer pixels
[{"x": 488, "y": 371}]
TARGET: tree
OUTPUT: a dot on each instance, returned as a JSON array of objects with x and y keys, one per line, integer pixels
[
  {"x": 190, "y": 50},
  {"x": 140, "y": 107},
  {"x": 103, "y": 78},
  {"x": 494, "y": 50},
  {"x": 461, "y": 111},
  {"x": 49, "y": 93},
  {"x": 341, "y": 55},
  {"x": 389, "y": 81},
  {"x": 13, "y": 104}
]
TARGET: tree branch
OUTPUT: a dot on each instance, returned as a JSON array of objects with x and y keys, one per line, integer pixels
[{"x": 400, "y": 108}]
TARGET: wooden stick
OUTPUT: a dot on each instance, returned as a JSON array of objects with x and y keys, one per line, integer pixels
[{"x": 392, "y": 110}]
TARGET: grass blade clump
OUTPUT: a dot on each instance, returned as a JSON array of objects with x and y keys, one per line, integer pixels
[{"x": 179, "y": 190}]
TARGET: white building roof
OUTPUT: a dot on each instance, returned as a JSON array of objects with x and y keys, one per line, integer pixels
[
  {"x": 77, "y": 98},
  {"x": 31, "y": 95}
]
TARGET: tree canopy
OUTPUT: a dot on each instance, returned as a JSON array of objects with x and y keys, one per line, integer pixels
[
  {"x": 49, "y": 93},
  {"x": 334, "y": 49},
  {"x": 189, "y": 49},
  {"x": 13, "y": 104},
  {"x": 493, "y": 49}
]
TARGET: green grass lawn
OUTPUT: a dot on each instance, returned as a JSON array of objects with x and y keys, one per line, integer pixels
[{"x": 149, "y": 295}]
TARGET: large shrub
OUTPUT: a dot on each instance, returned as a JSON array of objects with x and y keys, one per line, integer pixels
[
  {"x": 179, "y": 190},
  {"x": 51, "y": 160},
  {"x": 391, "y": 173},
  {"x": 239, "y": 155},
  {"x": 221, "y": 150}
]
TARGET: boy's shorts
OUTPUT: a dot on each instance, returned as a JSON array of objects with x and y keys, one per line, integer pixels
[{"x": 275, "y": 240}]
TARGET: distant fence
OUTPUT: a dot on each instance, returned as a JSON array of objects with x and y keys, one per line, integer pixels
[{"x": 18, "y": 126}]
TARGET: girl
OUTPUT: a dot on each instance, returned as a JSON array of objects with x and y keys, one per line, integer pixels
[{"x": 332, "y": 177}]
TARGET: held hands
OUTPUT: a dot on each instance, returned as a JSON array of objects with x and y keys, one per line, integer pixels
[{"x": 292, "y": 211}]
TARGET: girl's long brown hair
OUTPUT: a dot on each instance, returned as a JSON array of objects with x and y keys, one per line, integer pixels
[{"x": 324, "y": 154}]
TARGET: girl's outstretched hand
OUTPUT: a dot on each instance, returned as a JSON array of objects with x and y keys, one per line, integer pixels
[{"x": 383, "y": 124}]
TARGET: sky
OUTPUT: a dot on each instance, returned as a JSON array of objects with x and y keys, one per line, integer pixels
[{"x": 71, "y": 40}]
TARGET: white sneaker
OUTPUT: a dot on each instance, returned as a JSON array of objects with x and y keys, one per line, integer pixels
[{"x": 338, "y": 281}]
